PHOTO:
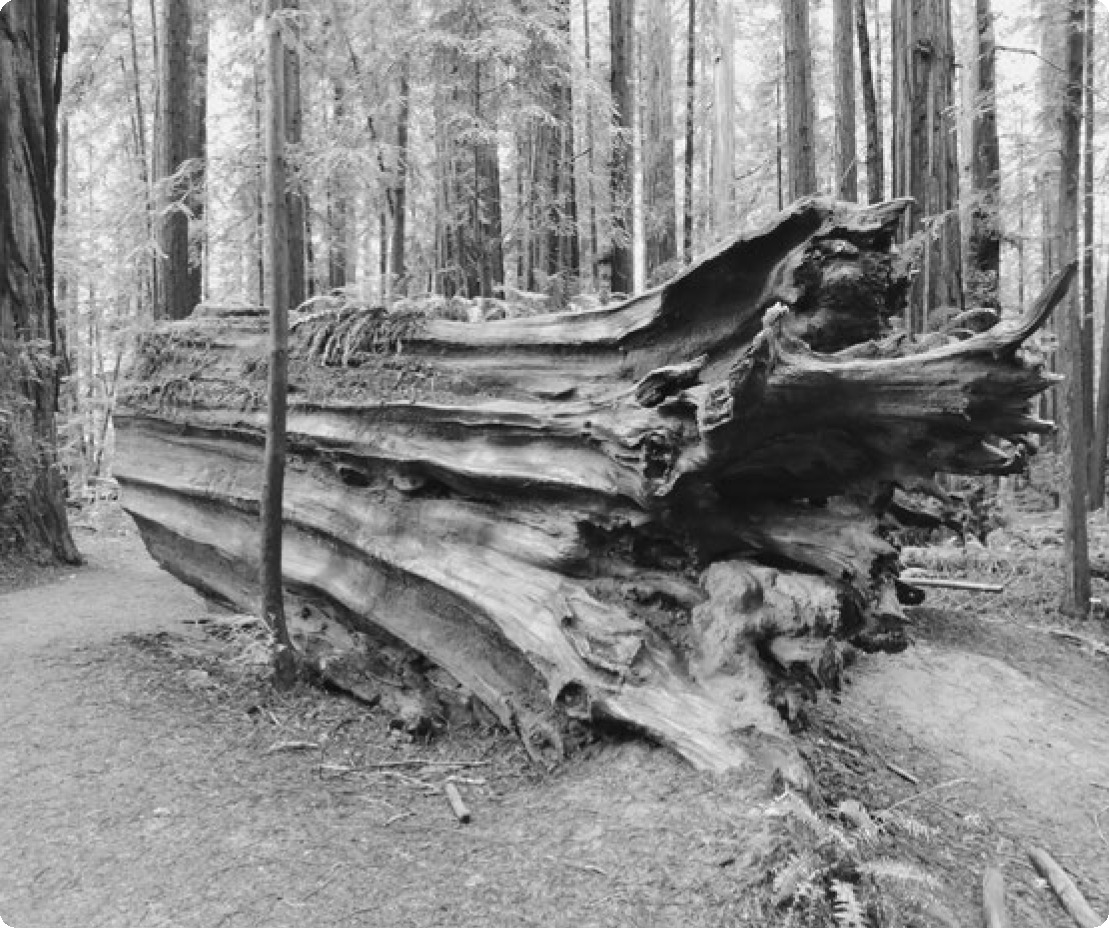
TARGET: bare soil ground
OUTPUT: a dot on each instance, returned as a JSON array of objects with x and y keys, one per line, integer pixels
[
  {"x": 148, "y": 778},
  {"x": 139, "y": 786}
]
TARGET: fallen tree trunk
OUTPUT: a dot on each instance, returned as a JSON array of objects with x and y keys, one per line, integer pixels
[{"x": 631, "y": 514}]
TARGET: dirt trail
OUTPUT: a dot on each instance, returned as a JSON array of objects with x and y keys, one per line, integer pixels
[
  {"x": 1022, "y": 722},
  {"x": 135, "y": 791},
  {"x": 133, "y": 796}
]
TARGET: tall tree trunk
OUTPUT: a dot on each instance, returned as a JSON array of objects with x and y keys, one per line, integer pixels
[
  {"x": 843, "y": 45},
  {"x": 1073, "y": 436},
  {"x": 197, "y": 151},
  {"x": 485, "y": 266},
  {"x": 984, "y": 246},
  {"x": 875, "y": 157},
  {"x": 277, "y": 263},
  {"x": 800, "y": 102},
  {"x": 176, "y": 293},
  {"x": 925, "y": 163},
  {"x": 33, "y": 35},
  {"x": 338, "y": 233},
  {"x": 295, "y": 206},
  {"x": 660, "y": 194},
  {"x": 690, "y": 104},
  {"x": 148, "y": 280},
  {"x": 622, "y": 41},
  {"x": 397, "y": 269},
  {"x": 591, "y": 133},
  {"x": 723, "y": 126},
  {"x": 1097, "y": 482}
]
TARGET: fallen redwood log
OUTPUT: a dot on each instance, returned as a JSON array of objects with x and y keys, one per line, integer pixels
[{"x": 610, "y": 515}]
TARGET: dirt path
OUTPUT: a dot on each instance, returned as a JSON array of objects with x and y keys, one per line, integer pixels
[
  {"x": 1018, "y": 725},
  {"x": 138, "y": 786},
  {"x": 137, "y": 793}
]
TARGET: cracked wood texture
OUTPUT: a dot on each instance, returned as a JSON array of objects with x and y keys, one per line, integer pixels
[{"x": 672, "y": 513}]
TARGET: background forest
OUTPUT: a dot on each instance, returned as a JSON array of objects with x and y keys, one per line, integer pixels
[{"x": 506, "y": 156}]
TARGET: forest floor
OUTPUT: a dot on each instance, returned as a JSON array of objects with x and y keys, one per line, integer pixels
[{"x": 150, "y": 777}]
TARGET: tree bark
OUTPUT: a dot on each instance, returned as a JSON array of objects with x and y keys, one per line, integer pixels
[
  {"x": 984, "y": 246},
  {"x": 295, "y": 198},
  {"x": 277, "y": 263},
  {"x": 875, "y": 157},
  {"x": 723, "y": 127},
  {"x": 690, "y": 123},
  {"x": 177, "y": 290},
  {"x": 622, "y": 51},
  {"x": 1073, "y": 436},
  {"x": 843, "y": 53},
  {"x": 660, "y": 193},
  {"x": 33, "y": 36},
  {"x": 1097, "y": 462},
  {"x": 592, "y": 516},
  {"x": 800, "y": 101},
  {"x": 925, "y": 166},
  {"x": 397, "y": 268}
]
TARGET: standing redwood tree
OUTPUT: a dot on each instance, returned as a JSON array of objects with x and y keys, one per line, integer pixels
[
  {"x": 32, "y": 495},
  {"x": 178, "y": 290},
  {"x": 800, "y": 103},
  {"x": 984, "y": 244},
  {"x": 846, "y": 160},
  {"x": 622, "y": 48},
  {"x": 925, "y": 163},
  {"x": 875, "y": 169},
  {"x": 659, "y": 190},
  {"x": 690, "y": 103}
]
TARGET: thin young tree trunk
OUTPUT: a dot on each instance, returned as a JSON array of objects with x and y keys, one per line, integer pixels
[
  {"x": 397, "y": 269},
  {"x": 338, "y": 257},
  {"x": 1073, "y": 437},
  {"x": 690, "y": 104},
  {"x": 800, "y": 102},
  {"x": 843, "y": 52},
  {"x": 984, "y": 246},
  {"x": 272, "y": 522},
  {"x": 149, "y": 280},
  {"x": 197, "y": 151},
  {"x": 1101, "y": 432},
  {"x": 723, "y": 129},
  {"x": 622, "y": 41},
  {"x": 591, "y": 191},
  {"x": 875, "y": 158}
]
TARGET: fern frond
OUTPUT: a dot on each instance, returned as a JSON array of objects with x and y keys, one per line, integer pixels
[
  {"x": 794, "y": 877},
  {"x": 885, "y": 869},
  {"x": 912, "y": 827},
  {"x": 847, "y": 908}
]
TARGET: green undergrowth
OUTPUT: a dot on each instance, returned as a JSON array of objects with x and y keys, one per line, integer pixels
[{"x": 847, "y": 868}]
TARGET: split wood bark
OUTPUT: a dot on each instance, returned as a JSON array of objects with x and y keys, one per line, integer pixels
[{"x": 668, "y": 513}]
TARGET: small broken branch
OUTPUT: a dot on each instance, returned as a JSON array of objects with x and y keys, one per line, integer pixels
[
  {"x": 287, "y": 746},
  {"x": 993, "y": 899},
  {"x": 943, "y": 583},
  {"x": 461, "y": 812},
  {"x": 904, "y": 774},
  {"x": 1072, "y": 900},
  {"x": 1096, "y": 646}
]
